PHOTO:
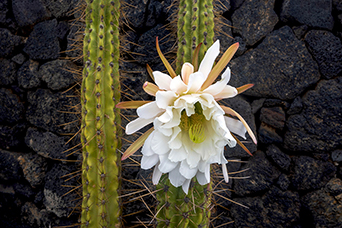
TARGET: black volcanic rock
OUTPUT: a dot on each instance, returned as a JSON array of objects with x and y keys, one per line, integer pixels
[
  {"x": 279, "y": 157},
  {"x": 58, "y": 74},
  {"x": 326, "y": 50},
  {"x": 296, "y": 106},
  {"x": 11, "y": 109},
  {"x": 29, "y": 12},
  {"x": 12, "y": 137},
  {"x": 3, "y": 11},
  {"x": 273, "y": 116},
  {"x": 59, "y": 8},
  {"x": 135, "y": 15},
  {"x": 75, "y": 41},
  {"x": 268, "y": 134},
  {"x": 261, "y": 175},
  {"x": 42, "y": 43},
  {"x": 275, "y": 209},
  {"x": 46, "y": 144},
  {"x": 46, "y": 110},
  {"x": 319, "y": 126},
  {"x": 314, "y": 13},
  {"x": 311, "y": 174},
  {"x": 8, "y": 42},
  {"x": 28, "y": 75},
  {"x": 254, "y": 20},
  {"x": 7, "y": 72},
  {"x": 9, "y": 166},
  {"x": 290, "y": 72}
]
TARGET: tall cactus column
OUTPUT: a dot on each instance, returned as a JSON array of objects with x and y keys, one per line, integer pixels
[
  {"x": 175, "y": 208},
  {"x": 100, "y": 119}
]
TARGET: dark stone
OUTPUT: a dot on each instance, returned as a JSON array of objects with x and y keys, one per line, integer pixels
[
  {"x": 46, "y": 110},
  {"x": 11, "y": 109},
  {"x": 296, "y": 106},
  {"x": 283, "y": 182},
  {"x": 224, "y": 33},
  {"x": 56, "y": 200},
  {"x": 324, "y": 208},
  {"x": 314, "y": 13},
  {"x": 42, "y": 43},
  {"x": 257, "y": 105},
  {"x": 254, "y": 20},
  {"x": 244, "y": 109},
  {"x": 170, "y": 10},
  {"x": 28, "y": 75},
  {"x": 19, "y": 59},
  {"x": 39, "y": 197},
  {"x": 29, "y": 12},
  {"x": 8, "y": 42},
  {"x": 3, "y": 11},
  {"x": 24, "y": 190},
  {"x": 9, "y": 166},
  {"x": 7, "y": 72},
  {"x": 273, "y": 116},
  {"x": 291, "y": 72},
  {"x": 275, "y": 209},
  {"x": 154, "y": 11},
  {"x": 242, "y": 45},
  {"x": 300, "y": 31},
  {"x": 62, "y": 30},
  {"x": 59, "y": 8},
  {"x": 311, "y": 174},
  {"x": 319, "y": 126},
  {"x": 12, "y": 137},
  {"x": 261, "y": 175},
  {"x": 236, "y": 4},
  {"x": 326, "y": 50},
  {"x": 146, "y": 48},
  {"x": 336, "y": 155},
  {"x": 337, "y": 4},
  {"x": 34, "y": 217},
  {"x": 135, "y": 15},
  {"x": 271, "y": 102},
  {"x": 74, "y": 48},
  {"x": 268, "y": 134},
  {"x": 221, "y": 6},
  {"x": 34, "y": 168},
  {"x": 278, "y": 157},
  {"x": 58, "y": 74},
  {"x": 334, "y": 186},
  {"x": 46, "y": 144}
]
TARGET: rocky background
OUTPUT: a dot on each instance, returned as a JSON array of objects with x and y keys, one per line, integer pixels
[{"x": 290, "y": 49}]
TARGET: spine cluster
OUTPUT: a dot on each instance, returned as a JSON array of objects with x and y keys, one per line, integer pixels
[{"x": 100, "y": 119}]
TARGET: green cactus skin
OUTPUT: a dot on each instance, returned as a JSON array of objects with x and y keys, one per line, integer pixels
[
  {"x": 195, "y": 25},
  {"x": 101, "y": 131},
  {"x": 175, "y": 209}
]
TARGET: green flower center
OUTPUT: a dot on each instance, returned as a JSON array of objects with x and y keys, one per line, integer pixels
[{"x": 194, "y": 124}]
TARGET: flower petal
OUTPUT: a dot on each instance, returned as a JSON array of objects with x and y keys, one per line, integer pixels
[
  {"x": 201, "y": 178},
  {"x": 137, "y": 124},
  {"x": 186, "y": 186},
  {"x": 177, "y": 85},
  {"x": 162, "y": 80},
  {"x": 165, "y": 98},
  {"x": 187, "y": 69},
  {"x": 209, "y": 59},
  {"x": 149, "y": 110},
  {"x": 227, "y": 92},
  {"x": 176, "y": 178},
  {"x": 148, "y": 162},
  {"x": 146, "y": 149},
  {"x": 166, "y": 165},
  {"x": 186, "y": 171},
  {"x": 236, "y": 126},
  {"x": 177, "y": 155},
  {"x": 196, "y": 81},
  {"x": 159, "y": 143},
  {"x": 156, "y": 175},
  {"x": 225, "y": 173},
  {"x": 217, "y": 87}
]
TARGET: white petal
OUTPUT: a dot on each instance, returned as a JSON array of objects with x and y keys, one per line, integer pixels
[
  {"x": 176, "y": 139},
  {"x": 162, "y": 80},
  {"x": 146, "y": 149},
  {"x": 176, "y": 178},
  {"x": 186, "y": 186},
  {"x": 147, "y": 162},
  {"x": 202, "y": 180},
  {"x": 156, "y": 175},
  {"x": 225, "y": 173},
  {"x": 186, "y": 171},
  {"x": 196, "y": 81},
  {"x": 236, "y": 126},
  {"x": 159, "y": 143},
  {"x": 217, "y": 87},
  {"x": 149, "y": 110},
  {"x": 165, "y": 98},
  {"x": 209, "y": 59},
  {"x": 227, "y": 92},
  {"x": 137, "y": 124},
  {"x": 187, "y": 69},
  {"x": 166, "y": 165},
  {"x": 177, "y": 155},
  {"x": 193, "y": 159},
  {"x": 166, "y": 116},
  {"x": 177, "y": 85}
]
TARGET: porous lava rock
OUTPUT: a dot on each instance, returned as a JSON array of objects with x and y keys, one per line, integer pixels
[
  {"x": 11, "y": 109},
  {"x": 290, "y": 72},
  {"x": 28, "y": 77},
  {"x": 8, "y": 42},
  {"x": 278, "y": 157},
  {"x": 10, "y": 168},
  {"x": 7, "y": 72},
  {"x": 29, "y": 12},
  {"x": 254, "y": 20},
  {"x": 273, "y": 116}
]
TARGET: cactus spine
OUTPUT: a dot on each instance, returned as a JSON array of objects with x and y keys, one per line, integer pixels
[
  {"x": 100, "y": 119},
  {"x": 195, "y": 25},
  {"x": 175, "y": 209}
]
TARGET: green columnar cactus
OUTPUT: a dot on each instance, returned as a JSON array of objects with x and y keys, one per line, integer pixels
[
  {"x": 100, "y": 119},
  {"x": 175, "y": 208},
  {"x": 195, "y": 26}
]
